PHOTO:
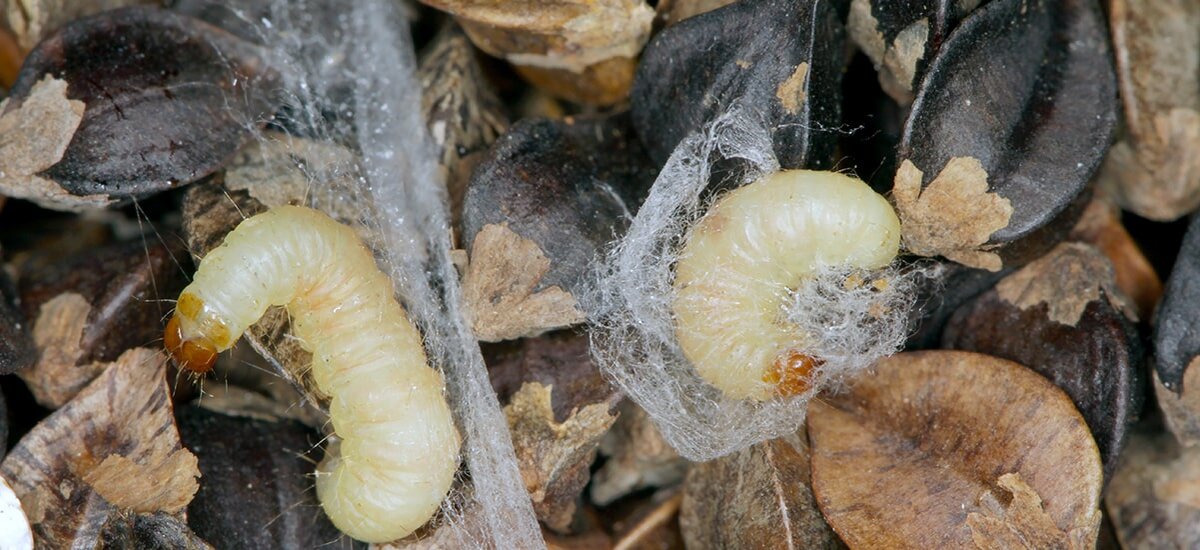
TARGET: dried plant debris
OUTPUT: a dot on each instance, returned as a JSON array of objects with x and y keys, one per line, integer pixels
[
  {"x": 582, "y": 51},
  {"x": 1176, "y": 342},
  {"x": 1154, "y": 500},
  {"x": 787, "y": 70},
  {"x": 14, "y": 526},
  {"x": 149, "y": 532},
  {"x": 1181, "y": 410},
  {"x": 954, "y": 216},
  {"x": 17, "y": 350},
  {"x": 112, "y": 448},
  {"x": 88, "y": 309},
  {"x": 1026, "y": 88},
  {"x": 1063, "y": 317},
  {"x": 559, "y": 359},
  {"x": 674, "y": 11},
  {"x": 257, "y": 490},
  {"x": 167, "y": 116},
  {"x": 463, "y": 113},
  {"x": 637, "y": 458},
  {"x": 901, "y": 38},
  {"x": 940, "y": 447},
  {"x": 1101, "y": 227},
  {"x": 1154, "y": 170},
  {"x": 759, "y": 497},
  {"x": 32, "y": 20},
  {"x": 540, "y": 208},
  {"x": 554, "y": 456},
  {"x": 945, "y": 287},
  {"x": 652, "y": 523}
]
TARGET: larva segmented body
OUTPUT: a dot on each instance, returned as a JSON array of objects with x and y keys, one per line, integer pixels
[
  {"x": 742, "y": 258},
  {"x": 399, "y": 448}
]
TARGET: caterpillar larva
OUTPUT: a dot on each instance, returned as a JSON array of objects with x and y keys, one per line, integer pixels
[
  {"x": 742, "y": 258},
  {"x": 398, "y": 449}
]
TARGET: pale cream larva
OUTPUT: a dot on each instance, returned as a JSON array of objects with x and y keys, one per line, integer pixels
[
  {"x": 399, "y": 448},
  {"x": 752, "y": 247}
]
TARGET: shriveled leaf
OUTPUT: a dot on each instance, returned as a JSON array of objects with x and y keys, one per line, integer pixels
[
  {"x": 591, "y": 41},
  {"x": 759, "y": 497},
  {"x": 540, "y": 208},
  {"x": 1153, "y": 172},
  {"x": 168, "y": 115},
  {"x": 781, "y": 60},
  {"x": 954, "y": 216},
  {"x": 1063, "y": 317},
  {"x": 1154, "y": 500},
  {"x": 907, "y": 455},
  {"x": 1027, "y": 88},
  {"x": 554, "y": 456},
  {"x": 638, "y": 457},
  {"x": 122, "y": 418}
]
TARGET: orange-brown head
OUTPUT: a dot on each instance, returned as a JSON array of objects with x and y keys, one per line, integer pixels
[
  {"x": 192, "y": 355},
  {"x": 792, "y": 373}
]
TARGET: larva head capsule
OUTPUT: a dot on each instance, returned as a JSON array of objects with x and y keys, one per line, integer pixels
[
  {"x": 194, "y": 335},
  {"x": 744, "y": 263},
  {"x": 196, "y": 356}
]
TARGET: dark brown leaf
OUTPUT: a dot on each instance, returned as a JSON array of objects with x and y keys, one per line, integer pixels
[{"x": 909, "y": 454}]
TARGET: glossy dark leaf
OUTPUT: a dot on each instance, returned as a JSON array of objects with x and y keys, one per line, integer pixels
[
  {"x": 168, "y": 99},
  {"x": 1027, "y": 89},
  {"x": 781, "y": 58},
  {"x": 1096, "y": 360},
  {"x": 540, "y": 207},
  {"x": 257, "y": 488}
]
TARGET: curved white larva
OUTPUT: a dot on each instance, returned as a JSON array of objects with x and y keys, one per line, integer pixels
[
  {"x": 757, "y": 242},
  {"x": 399, "y": 448}
]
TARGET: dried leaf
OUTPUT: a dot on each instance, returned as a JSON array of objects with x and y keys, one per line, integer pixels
[
  {"x": 563, "y": 35},
  {"x": 638, "y": 457},
  {"x": 499, "y": 288},
  {"x": 904, "y": 457},
  {"x": 56, "y": 376},
  {"x": 760, "y": 497},
  {"x": 1153, "y": 500},
  {"x": 954, "y": 216},
  {"x": 1022, "y": 523},
  {"x": 561, "y": 359},
  {"x": 1067, "y": 279},
  {"x": 1181, "y": 409},
  {"x": 678, "y": 10},
  {"x": 126, "y": 413},
  {"x": 34, "y": 135},
  {"x": 149, "y": 531},
  {"x": 31, "y": 20},
  {"x": 1100, "y": 226},
  {"x": 553, "y": 456}
]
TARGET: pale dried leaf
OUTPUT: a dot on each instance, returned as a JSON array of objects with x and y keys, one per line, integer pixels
[
  {"x": 34, "y": 134},
  {"x": 152, "y": 486},
  {"x": 57, "y": 377},
  {"x": 1181, "y": 410},
  {"x": 793, "y": 91},
  {"x": 1066, "y": 279},
  {"x": 125, "y": 412},
  {"x": 1022, "y": 523},
  {"x": 499, "y": 288},
  {"x": 554, "y": 457},
  {"x": 953, "y": 216},
  {"x": 1157, "y": 177}
]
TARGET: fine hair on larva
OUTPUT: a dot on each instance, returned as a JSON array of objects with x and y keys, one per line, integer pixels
[
  {"x": 396, "y": 450},
  {"x": 723, "y": 314}
]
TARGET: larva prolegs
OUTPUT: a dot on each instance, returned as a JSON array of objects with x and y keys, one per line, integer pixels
[{"x": 398, "y": 449}]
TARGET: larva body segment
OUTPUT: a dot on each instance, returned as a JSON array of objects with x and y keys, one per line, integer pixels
[
  {"x": 744, "y": 257},
  {"x": 399, "y": 448}
]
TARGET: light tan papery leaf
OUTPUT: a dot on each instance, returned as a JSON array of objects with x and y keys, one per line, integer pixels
[{"x": 1066, "y": 279}]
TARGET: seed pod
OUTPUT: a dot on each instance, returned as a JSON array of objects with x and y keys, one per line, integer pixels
[
  {"x": 269, "y": 457},
  {"x": 787, "y": 69},
  {"x": 1152, "y": 171},
  {"x": 1063, "y": 317},
  {"x": 540, "y": 208},
  {"x": 943, "y": 449},
  {"x": 1011, "y": 119},
  {"x": 146, "y": 126}
]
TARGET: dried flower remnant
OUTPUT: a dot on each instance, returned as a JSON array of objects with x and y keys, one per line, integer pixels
[
  {"x": 789, "y": 69},
  {"x": 306, "y": 261},
  {"x": 148, "y": 124},
  {"x": 113, "y": 447},
  {"x": 1153, "y": 171},
  {"x": 1063, "y": 317},
  {"x": 909, "y": 456},
  {"x": 1027, "y": 89},
  {"x": 554, "y": 456},
  {"x": 753, "y": 255},
  {"x": 759, "y": 497},
  {"x": 1154, "y": 500},
  {"x": 583, "y": 51}
]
